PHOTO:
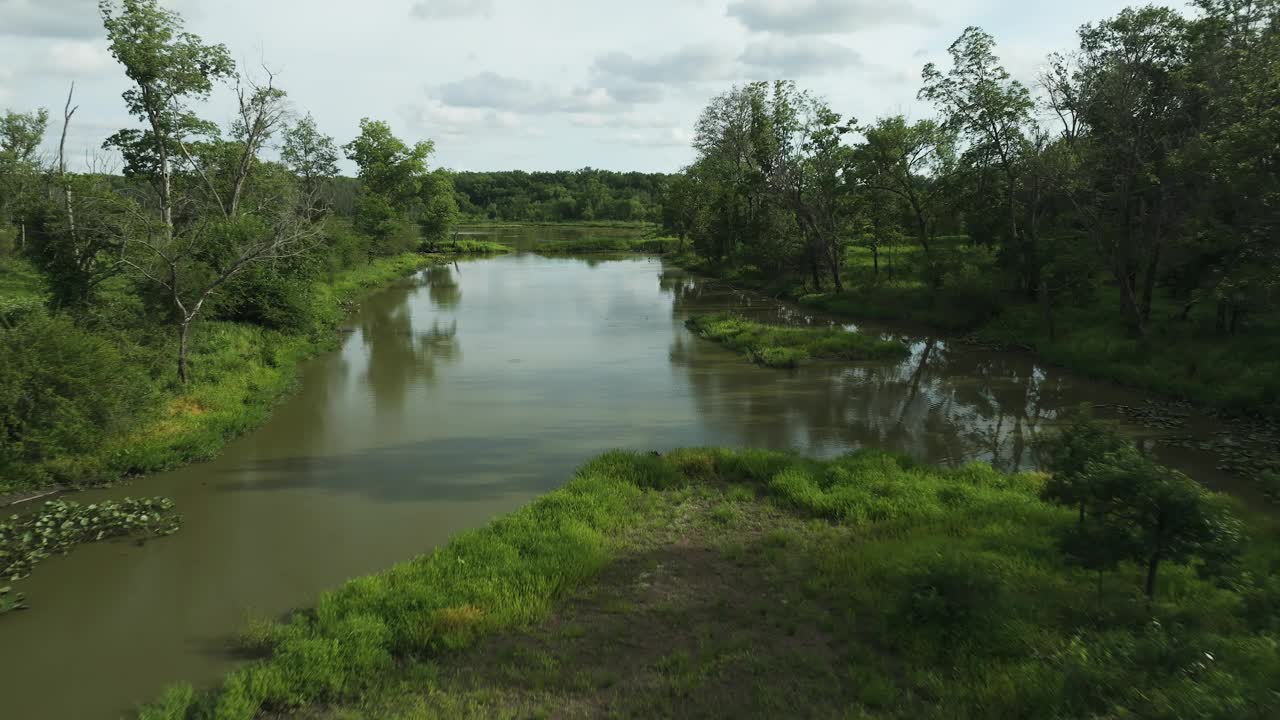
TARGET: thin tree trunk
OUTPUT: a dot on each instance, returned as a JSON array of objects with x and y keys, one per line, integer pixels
[
  {"x": 68, "y": 206},
  {"x": 1149, "y": 283},
  {"x": 1153, "y": 566},
  {"x": 1046, "y": 309},
  {"x": 183, "y": 330}
]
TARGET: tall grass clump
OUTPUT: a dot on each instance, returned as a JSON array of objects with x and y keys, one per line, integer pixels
[{"x": 786, "y": 347}]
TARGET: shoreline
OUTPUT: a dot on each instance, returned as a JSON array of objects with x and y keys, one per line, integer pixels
[
  {"x": 980, "y": 336},
  {"x": 156, "y": 445}
]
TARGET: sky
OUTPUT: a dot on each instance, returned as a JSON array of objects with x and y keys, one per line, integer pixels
[{"x": 533, "y": 84}]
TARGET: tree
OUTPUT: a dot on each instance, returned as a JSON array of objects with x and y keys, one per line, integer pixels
[
  {"x": 439, "y": 206},
  {"x": 742, "y": 139},
  {"x": 1067, "y": 454},
  {"x": 1130, "y": 507},
  {"x": 20, "y": 137},
  {"x": 915, "y": 162},
  {"x": 391, "y": 175},
  {"x": 311, "y": 155},
  {"x": 1130, "y": 100},
  {"x": 816, "y": 185},
  {"x": 192, "y": 255},
  {"x": 990, "y": 112},
  {"x": 1165, "y": 515},
  {"x": 682, "y": 206},
  {"x": 169, "y": 68},
  {"x": 79, "y": 243}
]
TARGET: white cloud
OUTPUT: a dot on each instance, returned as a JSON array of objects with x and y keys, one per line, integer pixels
[
  {"x": 49, "y": 18},
  {"x": 77, "y": 57},
  {"x": 516, "y": 95},
  {"x": 785, "y": 57},
  {"x": 452, "y": 9},
  {"x": 436, "y": 118},
  {"x": 667, "y": 138},
  {"x": 820, "y": 17},
  {"x": 622, "y": 120}
]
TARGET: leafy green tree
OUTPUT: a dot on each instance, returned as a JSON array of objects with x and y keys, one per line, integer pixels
[
  {"x": 20, "y": 137},
  {"x": 439, "y": 206},
  {"x": 190, "y": 262},
  {"x": 1131, "y": 507},
  {"x": 742, "y": 139},
  {"x": 682, "y": 207},
  {"x": 1131, "y": 101},
  {"x": 990, "y": 112},
  {"x": 392, "y": 174},
  {"x": 915, "y": 162},
  {"x": 1067, "y": 454},
  {"x": 1167, "y": 516},
  {"x": 311, "y": 155},
  {"x": 817, "y": 187},
  {"x": 169, "y": 68}
]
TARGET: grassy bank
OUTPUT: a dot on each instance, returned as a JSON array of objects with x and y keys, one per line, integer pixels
[
  {"x": 500, "y": 224},
  {"x": 589, "y": 246},
  {"x": 786, "y": 347},
  {"x": 713, "y": 583},
  {"x": 240, "y": 372},
  {"x": 465, "y": 246}
]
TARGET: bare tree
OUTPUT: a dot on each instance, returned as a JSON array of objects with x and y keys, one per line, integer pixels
[{"x": 175, "y": 262}]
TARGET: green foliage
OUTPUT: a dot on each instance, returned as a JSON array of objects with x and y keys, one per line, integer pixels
[
  {"x": 606, "y": 245},
  {"x": 10, "y": 600},
  {"x": 942, "y": 590},
  {"x": 278, "y": 295},
  {"x": 60, "y": 525},
  {"x": 22, "y": 289},
  {"x": 1121, "y": 234},
  {"x": 587, "y": 195},
  {"x": 785, "y": 347},
  {"x": 62, "y": 391},
  {"x": 466, "y": 246},
  {"x": 87, "y": 403},
  {"x": 1131, "y": 508}
]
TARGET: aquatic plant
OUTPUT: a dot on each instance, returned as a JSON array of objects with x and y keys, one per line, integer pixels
[{"x": 59, "y": 525}]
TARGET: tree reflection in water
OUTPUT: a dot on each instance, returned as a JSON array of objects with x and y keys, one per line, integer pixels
[{"x": 945, "y": 403}]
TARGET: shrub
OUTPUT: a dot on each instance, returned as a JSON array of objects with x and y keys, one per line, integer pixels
[{"x": 60, "y": 389}]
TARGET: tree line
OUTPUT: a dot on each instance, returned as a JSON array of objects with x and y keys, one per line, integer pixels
[
  {"x": 582, "y": 195},
  {"x": 200, "y": 223},
  {"x": 1140, "y": 171}
]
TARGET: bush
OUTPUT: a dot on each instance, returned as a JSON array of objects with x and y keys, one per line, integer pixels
[
  {"x": 62, "y": 390},
  {"x": 276, "y": 296}
]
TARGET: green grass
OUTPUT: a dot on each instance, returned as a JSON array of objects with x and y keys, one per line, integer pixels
[
  {"x": 464, "y": 246},
  {"x": 786, "y": 347},
  {"x": 239, "y": 371},
  {"x": 21, "y": 287},
  {"x": 718, "y": 583},
  {"x": 499, "y": 224},
  {"x": 586, "y": 246}
]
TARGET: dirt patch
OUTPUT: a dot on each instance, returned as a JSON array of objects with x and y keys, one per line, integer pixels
[{"x": 698, "y": 620}]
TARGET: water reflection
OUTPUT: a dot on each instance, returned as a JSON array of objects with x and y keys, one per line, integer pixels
[
  {"x": 399, "y": 353},
  {"x": 942, "y": 404}
]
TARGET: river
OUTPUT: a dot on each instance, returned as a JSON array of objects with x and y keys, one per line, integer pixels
[{"x": 460, "y": 394}]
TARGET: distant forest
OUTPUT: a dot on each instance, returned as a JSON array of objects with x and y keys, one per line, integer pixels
[{"x": 585, "y": 194}]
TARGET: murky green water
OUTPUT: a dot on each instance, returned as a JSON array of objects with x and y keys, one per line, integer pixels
[{"x": 458, "y": 395}]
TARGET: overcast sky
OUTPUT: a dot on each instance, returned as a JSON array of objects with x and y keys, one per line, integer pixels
[{"x": 537, "y": 84}]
